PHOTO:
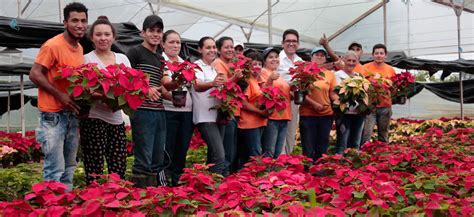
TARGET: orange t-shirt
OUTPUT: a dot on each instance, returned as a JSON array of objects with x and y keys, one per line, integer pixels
[
  {"x": 285, "y": 88},
  {"x": 386, "y": 71},
  {"x": 359, "y": 68},
  {"x": 54, "y": 54},
  {"x": 222, "y": 67},
  {"x": 248, "y": 119},
  {"x": 320, "y": 93}
]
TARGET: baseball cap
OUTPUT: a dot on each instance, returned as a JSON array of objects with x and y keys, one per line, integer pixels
[
  {"x": 317, "y": 49},
  {"x": 151, "y": 21},
  {"x": 238, "y": 43},
  {"x": 268, "y": 50},
  {"x": 354, "y": 43}
]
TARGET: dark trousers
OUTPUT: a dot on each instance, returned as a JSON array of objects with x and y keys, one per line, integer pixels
[
  {"x": 179, "y": 130},
  {"x": 314, "y": 132},
  {"x": 100, "y": 139},
  {"x": 212, "y": 135},
  {"x": 348, "y": 131}
]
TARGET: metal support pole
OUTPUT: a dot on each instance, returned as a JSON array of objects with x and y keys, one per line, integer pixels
[
  {"x": 384, "y": 22},
  {"x": 22, "y": 109},
  {"x": 270, "y": 35},
  {"x": 8, "y": 111},
  {"x": 461, "y": 88}
]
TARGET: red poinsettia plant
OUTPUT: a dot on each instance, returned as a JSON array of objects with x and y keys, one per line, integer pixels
[
  {"x": 402, "y": 84},
  {"x": 243, "y": 63},
  {"x": 183, "y": 73},
  {"x": 272, "y": 99},
  {"x": 122, "y": 87},
  {"x": 304, "y": 74},
  {"x": 381, "y": 88},
  {"x": 230, "y": 95}
]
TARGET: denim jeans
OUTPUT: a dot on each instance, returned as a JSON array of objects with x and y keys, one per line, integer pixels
[
  {"x": 349, "y": 131},
  {"x": 212, "y": 135},
  {"x": 58, "y": 136},
  {"x": 252, "y": 138},
  {"x": 314, "y": 132},
  {"x": 382, "y": 119},
  {"x": 149, "y": 137},
  {"x": 179, "y": 130},
  {"x": 230, "y": 143},
  {"x": 273, "y": 137}
]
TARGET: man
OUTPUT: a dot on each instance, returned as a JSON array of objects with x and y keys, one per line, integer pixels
[
  {"x": 149, "y": 121},
  {"x": 357, "y": 48},
  {"x": 288, "y": 57},
  {"x": 58, "y": 125},
  {"x": 384, "y": 108}
]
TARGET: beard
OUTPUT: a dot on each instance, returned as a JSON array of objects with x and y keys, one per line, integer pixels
[{"x": 73, "y": 36}]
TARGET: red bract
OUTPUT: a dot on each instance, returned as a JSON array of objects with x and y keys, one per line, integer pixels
[
  {"x": 230, "y": 96},
  {"x": 125, "y": 88},
  {"x": 183, "y": 74},
  {"x": 272, "y": 99},
  {"x": 402, "y": 84},
  {"x": 304, "y": 74},
  {"x": 244, "y": 64}
]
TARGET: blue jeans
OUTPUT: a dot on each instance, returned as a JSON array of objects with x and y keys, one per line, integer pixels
[
  {"x": 252, "y": 138},
  {"x": 273, "y": 137},
  {"x": 212, "y": 135},
  {"x": 179, "y": 130},
  {"x": 58, "y": 136},
  {"x": 382, "y": 119},
  {"x": 314, "y": 132},
  {"x": 230, "y": 143},
  {"x": 149, "y": 137},
  {"x": 349, "y": 131}
]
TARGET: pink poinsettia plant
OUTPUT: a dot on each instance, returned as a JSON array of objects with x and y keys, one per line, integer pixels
[
  {"x": 122, "y": 87},
  {"x": 381, "y": 88},
  {"x": 304, "y": 74},
  {"x": 230, "y": 96},
  {"x": 272, "y": 99},
  {"x": 402, "y": 84},
  {"x": 182, "y": 73}
]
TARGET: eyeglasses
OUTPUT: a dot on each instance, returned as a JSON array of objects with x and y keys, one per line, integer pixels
[{"x": 291, "y": 41}]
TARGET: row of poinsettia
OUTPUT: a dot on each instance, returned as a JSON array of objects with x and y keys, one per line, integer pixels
[
  {"x": 15, "y": 149},
  {"x": 428, "y": 174}
]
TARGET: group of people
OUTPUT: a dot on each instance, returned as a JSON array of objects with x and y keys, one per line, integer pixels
[{"x": 162, "y": 132}]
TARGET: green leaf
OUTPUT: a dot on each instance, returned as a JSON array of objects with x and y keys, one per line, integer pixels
[
  {"x": 359, "y": 194},
  {"x": 312, "y": 197},
  {"x": 418, "y": 184},
  {"x": 410, "y": 208},
  {"x": 121, "y": 101},
  {"x": 429, "y": 185}
]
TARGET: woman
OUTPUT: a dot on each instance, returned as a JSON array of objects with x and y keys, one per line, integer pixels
[
  {"x": 349, "y": 126},
  {"x": 316, "y": 115},
  {"x": 179, "y": 120},
  {"x": 103, "y": 132},
  {"x": 225, "y": 49},
  {"x": 203, "y": 116},
  {"x": 252, "y": 119},
  {"x": 275, "y": 132}
]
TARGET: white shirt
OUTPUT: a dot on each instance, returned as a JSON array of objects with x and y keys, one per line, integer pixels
[
  {"x": 286, "y": 64},
  {"x": 168, "y": 104},
  {"x": 202, "y": 100},
  {"x": 101, "y": 110},
  {"x": 341, "y": 75}
]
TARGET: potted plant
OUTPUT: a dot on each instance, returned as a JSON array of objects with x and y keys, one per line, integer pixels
[
  {"x": 245, "y": 64},
  {"x": 304, "y": 74},
  {"x": 354, "y": 92},
  {"x": 272, "y": 99},
  {"x": 230, "y": 95},
  {"x": 184, "y": 75},
  {"x": 119, "y": 86},
  {"x": 381, "y": 88},
  {"x": 402, "y": 85}
]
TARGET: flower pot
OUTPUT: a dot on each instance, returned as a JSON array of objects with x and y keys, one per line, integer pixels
[
  {"x": 223, "y": 118},
  {"x": 399, "y": 100},
  {"x": 85, "y": 107},
  {"x": 242, "y": 84},
  {"x": 179, "y": 98},
  {"x": 299, "y": 97}
]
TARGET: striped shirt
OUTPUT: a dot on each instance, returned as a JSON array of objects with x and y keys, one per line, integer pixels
[{"x": 151, "y": 63}]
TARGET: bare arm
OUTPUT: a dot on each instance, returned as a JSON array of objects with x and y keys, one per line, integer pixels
[
  {"x": 325, "y": 43},
  {"x": 37, "y": 76},
  {"x": 167, "y": 82},
  {"x": 252, "y": 108},
  {"x": 203, "y": 86}
]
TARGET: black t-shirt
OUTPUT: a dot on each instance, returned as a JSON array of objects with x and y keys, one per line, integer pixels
[{"x": 151, "y": 63}]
